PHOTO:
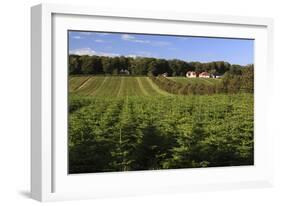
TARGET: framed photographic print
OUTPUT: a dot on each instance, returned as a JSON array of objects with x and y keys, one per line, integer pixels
[{"x": 137, "y": 102}]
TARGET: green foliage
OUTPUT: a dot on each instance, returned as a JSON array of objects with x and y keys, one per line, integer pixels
[
  {"x": 145, "y": 65},
  {"x": 74, "y": 64},
  {"x": 113, "y": 86},
  {"x": 121, "y": 123},
  {"x": 239, "y": 79},
  {"x": 247, "y": 79},
  {"x": 160, "y": 132},
  {"x": 84, "y": 64},
  {"x": 185, "y": 88},
  {"x": 232, "y": 82}
]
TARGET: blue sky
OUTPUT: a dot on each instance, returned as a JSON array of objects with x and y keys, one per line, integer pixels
[{"x": 187, "y": 48}]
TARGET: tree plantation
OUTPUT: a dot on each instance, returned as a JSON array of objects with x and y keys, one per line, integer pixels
[{"x": 142, "y": 120}]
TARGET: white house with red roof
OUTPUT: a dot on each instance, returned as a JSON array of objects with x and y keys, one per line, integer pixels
[{"x": 204, "y": 75}]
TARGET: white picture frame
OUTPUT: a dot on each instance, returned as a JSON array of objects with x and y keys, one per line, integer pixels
[{"x": 49, "y": 178}]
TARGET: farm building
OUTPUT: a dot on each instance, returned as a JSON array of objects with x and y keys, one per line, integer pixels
[
  {"x": 218, "y": 76},
  {"x": 204, "y": 75},
  {"x": 165, "y": 74},
  {"x": 124, "y": 71},
  {"x": 191, "y": 74}
]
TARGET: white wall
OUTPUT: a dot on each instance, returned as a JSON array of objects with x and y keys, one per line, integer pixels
[{"x": 15, "y": 95}]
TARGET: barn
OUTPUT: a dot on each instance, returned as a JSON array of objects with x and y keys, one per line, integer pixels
[{"x": 204, "y": 75}]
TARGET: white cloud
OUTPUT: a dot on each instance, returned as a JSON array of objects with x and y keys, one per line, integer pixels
[
  {"x": 145, "y": 54},
  {"x": 99, "y": 41},
  {"x": 91, "y": 52},
  {"x": 142, "y": 41},
  {"x": 107, "y": 54},
  {"x": 85, "y": 33},
  {"x": 132, "y": 55},
  {"x": 132, "y": 38},
  {"x": 77, "y": 37},
  {"x": 89, "y": 33},
  {"x": 127, "y": 37},
  {"x": 183, "y": 38},
  {"x": 83, "y": 51},
  {"x": 102, "y": 34},
  {"x": 141, "y": 54}
]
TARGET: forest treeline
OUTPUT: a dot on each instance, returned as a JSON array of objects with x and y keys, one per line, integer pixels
[{"x": 146, "y": 66}]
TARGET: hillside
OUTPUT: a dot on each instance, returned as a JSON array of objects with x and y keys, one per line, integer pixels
[
  {"x": 114, "y": 86},
  {"x": 125, "y": 123},
  {"x": 206, "y": 81}
]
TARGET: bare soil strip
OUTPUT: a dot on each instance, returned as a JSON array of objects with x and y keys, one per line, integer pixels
[
  {"x": 99, "y": 88},
  {"x": 141, "y": 87},
  {"x": 156, "y": 88},
  {"x": 83, "y": 84},
  {"x": 120, "y": 87}
]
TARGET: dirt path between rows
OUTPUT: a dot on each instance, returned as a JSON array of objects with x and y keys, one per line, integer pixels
[{"x": 83, "y": 84}]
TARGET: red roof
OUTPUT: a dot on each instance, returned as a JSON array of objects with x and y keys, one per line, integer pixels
[{"x": 204, "y": 73}]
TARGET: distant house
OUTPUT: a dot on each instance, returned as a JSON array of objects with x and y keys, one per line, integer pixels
[
  {"x": 165, "y": 74},
  {"x": 204, "y": 75},
  {"x": 215, "y": 76},
  {"x": 191, "y": 74},
  {"x": 218, "y": 76},
  {"x": 124, "y": 71}
]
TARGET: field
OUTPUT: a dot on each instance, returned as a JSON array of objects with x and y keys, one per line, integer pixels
[
  {"x": 206, "y": 81},
  {"x": 120, "y": 123},
  {"x": 114, "y": 86}
]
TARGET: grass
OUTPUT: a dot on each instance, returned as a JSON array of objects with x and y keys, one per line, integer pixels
[
  {"x": 185, "y": 80},
  {"x": 114, "y": 86},
  {"x": 124, "y": 123}
]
